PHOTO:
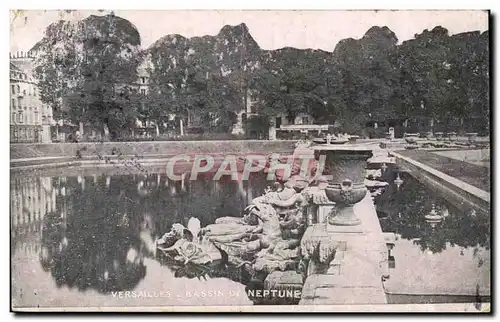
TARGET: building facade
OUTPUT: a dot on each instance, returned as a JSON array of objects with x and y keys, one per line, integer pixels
[{"x": 30, "y": 119}]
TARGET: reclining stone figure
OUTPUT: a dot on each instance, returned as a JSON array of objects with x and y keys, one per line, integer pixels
[{"x": 266, "y": 238}]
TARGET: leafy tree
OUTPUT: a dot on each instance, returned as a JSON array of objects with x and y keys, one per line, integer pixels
[
  {"x": 168, "y": 93},
  {"x": 87, "y": 66},
  {"x": 469, "y": 68},
  {"x": 444, "y": 78},
  {"x": 291, "y": 81},
  {"x": 202, "y": 76},
  {"x": 425, "y": 65},
  {"x": 368, "y": 77},
  {"x": 86, "y": 70}
]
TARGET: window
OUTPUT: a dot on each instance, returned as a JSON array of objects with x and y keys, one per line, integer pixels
[
  {"x": 143, "y": 91},
  {"x": 13, "y": 103},
  {"x": 24, "y": 92},
  {"x": 13, "y": 89},
  {"x": 13, "y": 118},
  {"x": 20, "y": 117},
  {"x": 305, "y": 120},
  {"x": 18, "y": 89},
  {"x": 143, "y": 80},
  {"x": 36, "y": 117}
]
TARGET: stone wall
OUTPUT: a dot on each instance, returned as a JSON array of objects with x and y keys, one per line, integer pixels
[
  {"x": 453, "y": 189},
  {"x": 165, "y": 148}
]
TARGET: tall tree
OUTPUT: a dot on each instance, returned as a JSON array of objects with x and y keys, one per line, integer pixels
[
  {"x": 469, "y": 68},
  {"x": 91, "y": 65},
  {"x": 168, "y": 72},
  {"x": 368, "y": 77},
  {"x": 204, "y": 77},
  {"x": 426, "y": 74},
  {"x": 291, "y": 81}
]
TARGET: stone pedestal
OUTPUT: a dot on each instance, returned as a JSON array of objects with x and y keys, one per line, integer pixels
[
  {"x": 323, "y": 211},
  {"x": 320, "y": 207},
  {"x": 346, "y": 263},
  {"x": 391, "y": 133},
  {"x": 272, "y": 132},
  {"x": 238, "y": 126},
  {"x": 45, "y": 134}
]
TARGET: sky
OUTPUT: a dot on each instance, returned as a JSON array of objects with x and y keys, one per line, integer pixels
[{"x": 321, "y": 29}]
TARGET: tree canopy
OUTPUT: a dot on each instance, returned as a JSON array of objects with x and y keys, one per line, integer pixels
[{"x": 92, "y": 65}]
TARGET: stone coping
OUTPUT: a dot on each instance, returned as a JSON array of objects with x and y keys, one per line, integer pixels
[
  {"x": 481, "y": 194},
  {"x": 343, "y": 147},
  {"x": 422, "y": 290},
  {"x": 154, "y": 142},
  {"x": 18, "y": 151}
]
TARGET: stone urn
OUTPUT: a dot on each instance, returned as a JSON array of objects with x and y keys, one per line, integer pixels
[{"x": 346, "y": 166}]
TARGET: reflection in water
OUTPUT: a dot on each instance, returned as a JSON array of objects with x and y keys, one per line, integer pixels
[
  {"x": 406, "y": 208},
  {"x": 95, "y": 232},
  {"x": 442, "y": 254},
  {"x": 92, "y": 240}
]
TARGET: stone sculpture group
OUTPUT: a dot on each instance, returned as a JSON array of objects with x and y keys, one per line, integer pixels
[{"x": 267, "y": 237}]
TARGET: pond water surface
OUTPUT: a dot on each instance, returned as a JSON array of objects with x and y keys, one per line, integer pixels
[
  {"x": 446, "y": 261},
  {"x": 80, "y": 240}
]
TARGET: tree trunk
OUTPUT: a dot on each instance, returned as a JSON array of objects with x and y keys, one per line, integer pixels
[{"x": 181, "y": 127}]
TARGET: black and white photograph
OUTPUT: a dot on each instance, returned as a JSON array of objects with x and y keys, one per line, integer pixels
[{"x": 250, "y": 160}]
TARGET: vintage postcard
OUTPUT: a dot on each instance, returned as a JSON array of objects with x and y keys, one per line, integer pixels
[{"x": 250, "y": 161}]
